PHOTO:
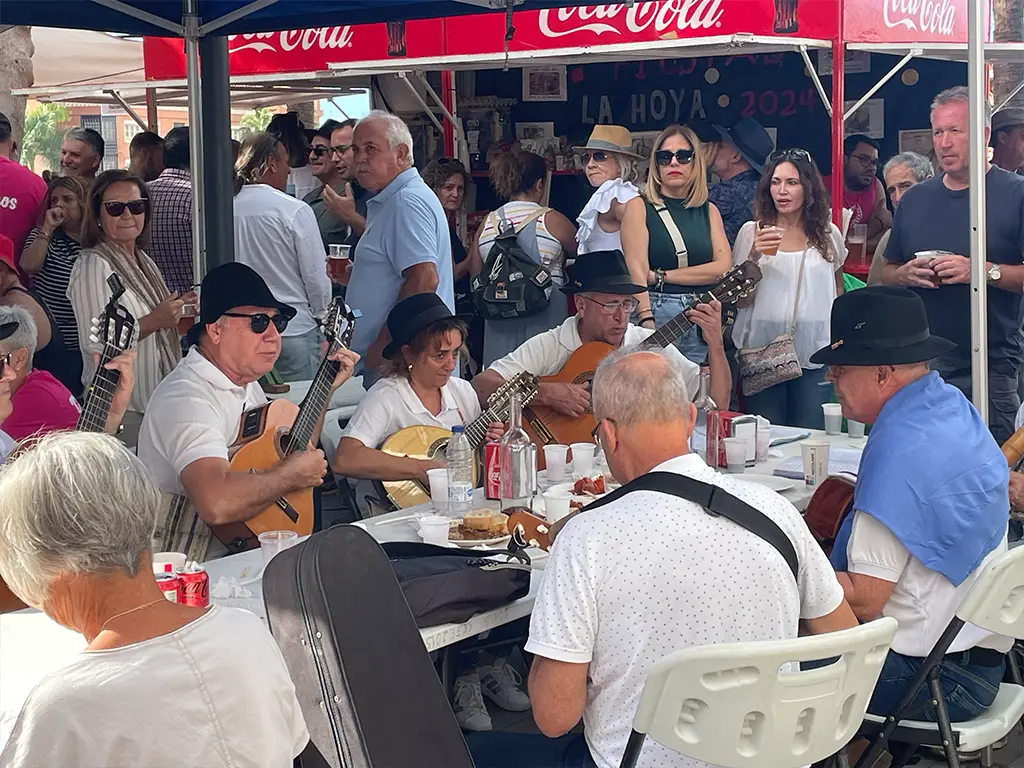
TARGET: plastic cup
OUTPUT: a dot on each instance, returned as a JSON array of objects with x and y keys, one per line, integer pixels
[
  {"x": 815, "y": 455},
  {"x": 555, "y": 461},
  {"x": 176, "y": 561},
  {"x": 855, "y": 428},
  {"x": 272, "y": 542},
  {"x": 582, "y": 458},
  {"x": 764, "y": 442},
  {"x": 833, "y": 418},
  {"x": 439, "y": 488},
  {"x": 556, "y": 505},
  {"x": 772, "y": 249},
  {"x": 434, "y": 529},
  {"x": 338, "y": 261},
  {"x": 735, "y": 454}
]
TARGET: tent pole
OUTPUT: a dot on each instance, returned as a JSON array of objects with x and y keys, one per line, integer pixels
[
  {"x": 195, "y": 138},
  {"x": 838, "y": 101},
  {"x": 152, "y": 112},
  {"x": 978, "y": 167},
  {"x": 218, "y": 158}
]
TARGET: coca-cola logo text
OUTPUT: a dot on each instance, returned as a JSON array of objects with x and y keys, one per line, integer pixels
[
  {"x": 322, "y": 38},
  {"x": 664, "y": 16},
  {"x": 934, "y": 16}
]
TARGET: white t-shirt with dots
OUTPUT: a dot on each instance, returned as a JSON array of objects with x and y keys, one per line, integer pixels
[{"x": 651, "y": 574}]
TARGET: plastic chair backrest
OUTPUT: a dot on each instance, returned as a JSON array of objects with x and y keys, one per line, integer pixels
[
  {"x": 747, "y": 705},
  {"x": 996, "y": 600}
]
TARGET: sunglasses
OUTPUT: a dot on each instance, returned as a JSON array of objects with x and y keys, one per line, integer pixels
[
  {"x": 682, "y": 156},
  {"x": 259, "y": 322},
  {"x": 116, "y": 208},
  {"x": 599, "y": 157},
  {"x": 320, "y": 151},
  {"x": 5, "y": 360},
  {"x": 789, "y": 154}
]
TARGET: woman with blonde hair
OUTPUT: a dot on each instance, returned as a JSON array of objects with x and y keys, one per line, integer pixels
[
  {"x": 544, "y": 235},
  {"x": 613, "y": 168},
  {"x": 673, "y": 238}
]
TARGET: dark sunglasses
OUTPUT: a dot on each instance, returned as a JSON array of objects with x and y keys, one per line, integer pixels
[
  {"x": 320, "y": 151},
  {"x": 116, "y": 208},
  {"x": 5, "y": 360},
  {"x": 599, "y": 157},
  {"x": 682, "y": 156},
  {"x": 259, "y": 322},
  {"x": 789, "y": 154}
]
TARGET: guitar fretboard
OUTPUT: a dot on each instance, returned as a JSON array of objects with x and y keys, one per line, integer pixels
[
  {"x": 677, "y": 326},
  {"x": 100, "y": 393},
  {"x": 313, "y": 405}
]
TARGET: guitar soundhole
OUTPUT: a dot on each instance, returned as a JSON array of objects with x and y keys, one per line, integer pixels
[{"x": 586, "y": 378}]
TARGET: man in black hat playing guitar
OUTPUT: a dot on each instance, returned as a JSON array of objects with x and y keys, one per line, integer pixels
[{"x": 603, "y": 293}]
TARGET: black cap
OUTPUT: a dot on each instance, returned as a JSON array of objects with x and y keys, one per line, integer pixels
[
  {"x": 7, "y": 329},
  {"x": 601, "y": 272},
  {"x": 751, "y": 140},
  {"x": 880, "y": 325},
  {"x": 413, "y": 315},
  {"x": 228, "y": 286}
]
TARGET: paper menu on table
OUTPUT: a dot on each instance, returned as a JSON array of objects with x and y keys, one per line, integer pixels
[{"x": 840, "y": 460}]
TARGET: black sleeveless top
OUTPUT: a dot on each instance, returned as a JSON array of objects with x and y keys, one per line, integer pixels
[{"x": 55, "y": 358}]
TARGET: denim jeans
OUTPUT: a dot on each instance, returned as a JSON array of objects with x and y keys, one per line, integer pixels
[
  {"x": 969, "y": 689},
  {"x": 528, "y": 750},
  {"x": 300, "y": 356},
  {"x": 1003, "y": 400},
  {"x": 795, "y": 403},
  {"x": 665, "y": 307}
]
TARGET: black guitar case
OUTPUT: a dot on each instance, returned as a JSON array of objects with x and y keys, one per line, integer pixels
[{"x": 369, "y": 692}]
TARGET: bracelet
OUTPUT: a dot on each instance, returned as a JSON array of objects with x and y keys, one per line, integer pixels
[
  {"x": 647, "y": 320},
  {"x": 45, "y": 236},
  {"x": 659, "y": 282}
]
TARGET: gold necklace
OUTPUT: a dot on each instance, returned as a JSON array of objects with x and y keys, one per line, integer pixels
[{"x": 130, "y": 610}]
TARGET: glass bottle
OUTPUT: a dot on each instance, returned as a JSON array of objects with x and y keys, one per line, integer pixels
[
  {"x": 518, "y": 461},
  {"x": 707, "y": 414}
]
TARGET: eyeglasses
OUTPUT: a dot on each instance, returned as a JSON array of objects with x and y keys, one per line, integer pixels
[
  {"x": 789, "y": 154},
  {"x": 5, "y": 360},
  {"x": 871, "y": 162},
  {"x": 599, "y": 157},
  {"x": 341, "y": 149},
  {"x": 320, "y": 151},
  {"x": 682, "y": 156},
  {"x": 611, "y": 307},
  {"x": 260, "y": 321},
  {"x": 116, "y": 208},
  {"x": 595, "y": 433}
]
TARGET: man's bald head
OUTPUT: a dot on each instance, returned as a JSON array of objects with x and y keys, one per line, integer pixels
[{"x": 635, "y": 386}]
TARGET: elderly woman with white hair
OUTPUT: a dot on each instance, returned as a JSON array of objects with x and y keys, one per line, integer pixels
[
  {"x": 613, "y": 168},
  {"x": 159, "y": 683}
]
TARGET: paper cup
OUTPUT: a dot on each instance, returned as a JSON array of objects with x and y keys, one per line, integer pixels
[
  {"x": 176, "y": 561},
  {"x": 833, "y": 418},
  {"x": 764, "y": 442},
  {"x": 439, "y": 488},
  {"x": 555, "y": 461},
  {"x": 273, "y": 542},
  {"x": 556, "y": 506},
  {"x": 815, "y": 455},
  {"x": 855, "y": 428},
  {"x": 434, "y": 529},
  {"x": 582, "y": 458},
  {"x": 735, "y": 454}
]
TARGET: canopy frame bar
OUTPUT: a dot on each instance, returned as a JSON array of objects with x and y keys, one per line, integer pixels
[
  {"x": 813, "y": 72},
  {"x": 404, "y": 78},
  {"x": 1008, "y": 99},
  {"x": 437, "y": 99},
  {"x": 131, "y": 112},
  {"x": 228, "y": 18},
  {"x": 878, "y": 86},
  {"x": 178, "y": 30}
]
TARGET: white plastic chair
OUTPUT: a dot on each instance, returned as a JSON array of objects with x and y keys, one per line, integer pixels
[
  {"x": 995, "y": 603},
  {"x": 747, "y": 705}
]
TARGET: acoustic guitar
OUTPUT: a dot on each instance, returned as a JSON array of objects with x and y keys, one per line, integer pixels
[
  {"x": 547, "y": 426},
  {"x": 116, "y": 330},
  {"x": 831, "y": 502},
  {"x": 429, "y": 442}
]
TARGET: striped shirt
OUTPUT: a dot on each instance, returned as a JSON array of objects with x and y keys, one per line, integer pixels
[
  {"x": 171, "y": 228},
  {"x": 552, "y": 254},
  {"x": 89, "y": 295},
  {"x": 51, "y": 282}
]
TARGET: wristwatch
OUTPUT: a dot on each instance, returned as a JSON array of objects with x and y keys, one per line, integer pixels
[{"x": 994, "y": 273}]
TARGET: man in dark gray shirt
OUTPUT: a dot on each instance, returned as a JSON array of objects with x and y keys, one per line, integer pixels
[{"x": 935, "y": 215}]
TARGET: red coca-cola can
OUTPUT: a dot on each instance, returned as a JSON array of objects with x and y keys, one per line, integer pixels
[
  {"x": 195, "y": 588},
  {"x": 492, "y": 471},
  {"x": 170, "y": 585}
]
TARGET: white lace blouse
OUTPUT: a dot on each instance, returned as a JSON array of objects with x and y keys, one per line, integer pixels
[{"x": 590, "y": 236}]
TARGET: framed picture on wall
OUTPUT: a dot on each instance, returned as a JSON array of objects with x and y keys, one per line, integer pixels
[
  {"x": 544, "y": 84},
  {"x": 869, "y": 120},
  {"x": 535, "y": 131},
  {"x": 857, "y": 62},
  {"x": 643, "y": 142}
]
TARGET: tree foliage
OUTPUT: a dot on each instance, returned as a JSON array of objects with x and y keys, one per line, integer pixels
[
  {"x": 257, "y": 120},
  {"x": 45, "y": 127}
]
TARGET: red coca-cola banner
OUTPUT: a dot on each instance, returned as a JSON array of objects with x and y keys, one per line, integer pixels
[
  {"x": 905, "y": 21},
  {"x": 305, "y": 50}
]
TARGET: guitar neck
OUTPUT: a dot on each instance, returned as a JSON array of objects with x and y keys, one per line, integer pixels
[
  {"x": 99, "y": 396},
  {"x": 677, "y": 326},
  {"x": 313, "y": 406},
  {"x": 476, "y": 431}
]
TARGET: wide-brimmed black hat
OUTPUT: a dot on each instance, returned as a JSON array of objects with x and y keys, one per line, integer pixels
[
  {"x": 8, "y": 329},
  {"x": 880, "y": 325},
  {"x": 411, "y": 316},
  {"x": 751, "y": 140},
  {"x": 228, "y": 286},
  {"x": 601, "y": 272}
]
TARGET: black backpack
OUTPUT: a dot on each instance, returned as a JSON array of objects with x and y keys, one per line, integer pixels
[{"x": 511, "y": 284}]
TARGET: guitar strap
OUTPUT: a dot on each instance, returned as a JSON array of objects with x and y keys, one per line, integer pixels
[{"x": 715, "y": 501}]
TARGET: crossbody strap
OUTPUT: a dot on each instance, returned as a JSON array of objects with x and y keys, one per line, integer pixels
[
  {"x": 673, "y": 232},
  {"x": 799, "y": 287},
  {"x": 715, "y": 501}
]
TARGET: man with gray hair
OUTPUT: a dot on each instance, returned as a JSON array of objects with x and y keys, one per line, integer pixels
[
  {"x": 933, "y": 220},
  {"x": 406, "y": 248},
  {"x": 81, "y": 154},
  {"x": 901, "y": 173},
  {"x": 629, "y": 583}
]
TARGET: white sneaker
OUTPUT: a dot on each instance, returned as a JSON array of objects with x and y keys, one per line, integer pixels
[
  {"x": 470, "y": 710},
  {"x": 500, "y": 683}
]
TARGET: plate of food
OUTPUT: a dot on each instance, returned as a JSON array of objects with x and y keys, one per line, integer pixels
[
  {"x": 585, "y": 490},
  {"x": 480, "y": 528}
]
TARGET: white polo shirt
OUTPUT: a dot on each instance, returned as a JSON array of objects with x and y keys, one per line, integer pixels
[
  {"x": 923, "y": 601},
  {"x": 546, "y": 353},
  {"x": 391, "y": 405},
  {"x": 650, "y": 574}
]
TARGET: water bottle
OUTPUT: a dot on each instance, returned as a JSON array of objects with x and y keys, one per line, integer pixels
[{"x": 460, "y": 473}]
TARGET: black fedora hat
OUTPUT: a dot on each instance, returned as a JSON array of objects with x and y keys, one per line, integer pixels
[
  {"x": 880, "y": 325},
  {"x": 412, "y": 315},
  {"x": 751, "y": 140},
  {"x": 601, "y": 272},
  {"x": 228, "y": 286},
  {"x": 7, "y": 329}
]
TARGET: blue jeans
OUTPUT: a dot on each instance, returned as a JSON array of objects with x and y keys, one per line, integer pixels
[
  {"x": 969, "y": 688},
  {"x": 665, "y": 307},
  {"x": 528, "y": 750},
  {"x": 1003, "y": 400},
  {"x": 300, "y": 356},
  {"x": 795, "y": 403}
]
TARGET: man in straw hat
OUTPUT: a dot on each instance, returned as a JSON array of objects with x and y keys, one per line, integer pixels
[{"x": 930, "y": 507}]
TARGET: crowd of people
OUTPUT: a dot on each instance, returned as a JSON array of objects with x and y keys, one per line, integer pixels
[{"x": 519, "y": 295}]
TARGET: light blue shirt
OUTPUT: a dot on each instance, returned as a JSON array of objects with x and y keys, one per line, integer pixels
[{"x": 405, "y": 226}]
